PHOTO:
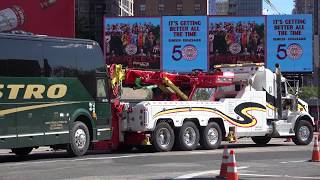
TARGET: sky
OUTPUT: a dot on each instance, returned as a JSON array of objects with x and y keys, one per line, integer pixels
[{"x": 283, "y": 6}]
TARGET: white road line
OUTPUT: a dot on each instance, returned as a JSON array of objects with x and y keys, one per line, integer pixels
[
  {"x": 192, "y": 175},
  {"x": 287, "y": 162},
  {"x": 189, "y": 176},
  {"x": 71, "y": 160}
]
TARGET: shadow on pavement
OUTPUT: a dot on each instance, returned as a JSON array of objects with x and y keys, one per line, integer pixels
[
  {"x": 54, "y": 155},
  {"x": 203, "y": 178}
]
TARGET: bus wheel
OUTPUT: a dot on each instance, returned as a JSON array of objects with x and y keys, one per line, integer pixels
[
  {"x": 188, "y": 136},
  {"x": 22, "y": 151},
  {"x": 304, "y": 133},
  {"x": 79, "y": 139},
  {"x": 211, "y": 136},
  {"x": 163, "y": 137}
]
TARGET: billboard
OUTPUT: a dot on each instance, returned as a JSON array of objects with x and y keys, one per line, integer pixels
[
  {"x": 48, "y": 17},
  {"x": 133, "y": 42},
  {"x": 184, "y": 42},
  {"x": 290, "y": 42},
  {"x": 235, "y": 40}
]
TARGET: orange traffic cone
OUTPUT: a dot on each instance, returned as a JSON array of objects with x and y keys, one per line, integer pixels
[
  {"x": 316, "y": 152},
  {"x": 232, "y": 173},
  {"x": 223, "y": 168}
]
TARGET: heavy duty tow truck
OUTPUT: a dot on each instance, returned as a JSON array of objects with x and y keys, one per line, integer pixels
[{"x": 231, "y": 102}]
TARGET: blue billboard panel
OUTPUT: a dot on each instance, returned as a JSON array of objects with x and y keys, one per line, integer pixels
[
  {"x": 184, "y": 43},
  {"x": 132, "y": 42},
  {"x": 290, "y": 42},
  {"x": 236, "y": 40}
]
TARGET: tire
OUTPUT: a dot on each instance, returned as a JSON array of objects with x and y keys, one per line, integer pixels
[
  {"x": 211, "y": 136},
  {"x": 79, "y": 139},
  {"x": 261, "y": 140},
  {"x": 303, "y": 133},
  {"x": 22, "y": 151},
  {"x": 162, "y": 137},
  {"x": 188, "y": 137}
]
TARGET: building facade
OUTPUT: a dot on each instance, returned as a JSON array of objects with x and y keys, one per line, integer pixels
[
  {"x": 222, "y": 7},
  {"x": 245, "y": 7},
  {"x": 211, "y": 7},
  {"x": 170, "y": 7},
  {"x": 309, "y": 7},
  {"x": 90, "y": 13},
  {"x": 238, "y": 7}
]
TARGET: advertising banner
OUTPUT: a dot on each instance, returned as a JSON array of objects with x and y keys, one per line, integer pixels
[
  {"x": 46, "y": 17},
  {"x": 133, "y": 42},
  {"x": 236, "y": 40},
  {"x": 184, "y": 41},
  {"x": 290, "y": 42}
]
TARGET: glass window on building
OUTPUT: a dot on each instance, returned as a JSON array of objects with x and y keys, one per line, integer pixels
[
  {"x": 197, "y": 8},
  {"x": 161, "y": 7},
  {"x": 142, "y": 7},
  {"x": 179, "y": 7}
]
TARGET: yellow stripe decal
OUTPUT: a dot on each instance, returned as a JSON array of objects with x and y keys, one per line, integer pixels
[
  {"x": 242, "y": 110},
  {"x": 27, "y": 108}
]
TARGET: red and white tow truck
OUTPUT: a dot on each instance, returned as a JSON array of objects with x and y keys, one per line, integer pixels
[{"x": 234, "y": 101}]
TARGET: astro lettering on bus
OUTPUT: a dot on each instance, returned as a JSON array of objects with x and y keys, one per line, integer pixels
[{"x": 33, "y": 91}]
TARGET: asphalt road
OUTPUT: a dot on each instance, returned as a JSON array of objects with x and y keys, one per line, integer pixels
[{"x": 278, "y": 160}]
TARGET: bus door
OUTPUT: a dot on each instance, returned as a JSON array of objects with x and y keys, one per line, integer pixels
[{"x": 103, "y": 109}]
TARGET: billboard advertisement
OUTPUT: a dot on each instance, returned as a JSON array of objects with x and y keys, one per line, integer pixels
[
  {"x": 184, "y": 41},
  {"x": 235, "y": 40},
  {"x": 133, "y": 42},
  {"x": 47, "y": 17},
  {"x": 290, "y": 42}
]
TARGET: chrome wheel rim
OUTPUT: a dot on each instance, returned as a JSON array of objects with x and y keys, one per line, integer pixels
[
  {"x": 212, "y": 136},
  {"x": 80, "y": 138},
  {"x": 189, "y": 136},
  {"x": 304, "y": 133},
  {"x": 164, "y": 137}
]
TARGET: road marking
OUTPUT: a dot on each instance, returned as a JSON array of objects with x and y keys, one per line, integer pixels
[
  {"x": 189, "y": 176},
  {"x": 286, "y": 162},
  {"x": 192, "y": 175},
  {"x": 73, "y": 160}
]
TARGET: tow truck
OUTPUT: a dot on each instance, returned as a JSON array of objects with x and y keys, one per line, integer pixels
[{"x": 188, "y": 109}]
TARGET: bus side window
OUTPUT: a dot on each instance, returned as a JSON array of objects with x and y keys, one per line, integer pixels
[
  {"x": 59, "y": 59},
  {"x": 26, "y": 63}
]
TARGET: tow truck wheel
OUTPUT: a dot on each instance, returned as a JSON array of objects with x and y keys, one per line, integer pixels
[
  {"x": 79, "y": 139},
  {"x": 303, "y": 133},
  {"x": 22, "y": 151},
  {"x": 188, "y": 137},
  {"x": 211, "y": 136},
  {"x": 261, "y": 140},
  {"x": 163, "y": 137}
]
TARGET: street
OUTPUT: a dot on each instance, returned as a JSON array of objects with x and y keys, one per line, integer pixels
[{"x": 277, "y": 160}]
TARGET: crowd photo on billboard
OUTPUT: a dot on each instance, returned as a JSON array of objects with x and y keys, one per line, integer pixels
[
  {"x": 236, "y": 41},
  {"x": 133, "y": 42}
]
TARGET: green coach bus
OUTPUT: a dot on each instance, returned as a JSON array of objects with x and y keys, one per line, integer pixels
[{"x": 53, "y": 92}]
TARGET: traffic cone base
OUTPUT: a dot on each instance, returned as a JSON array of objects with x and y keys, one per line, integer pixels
[
  {"x": 223, "y": 167},
  {"x": 315, "y": 152},
  {"x": 232, "y": 173}
]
